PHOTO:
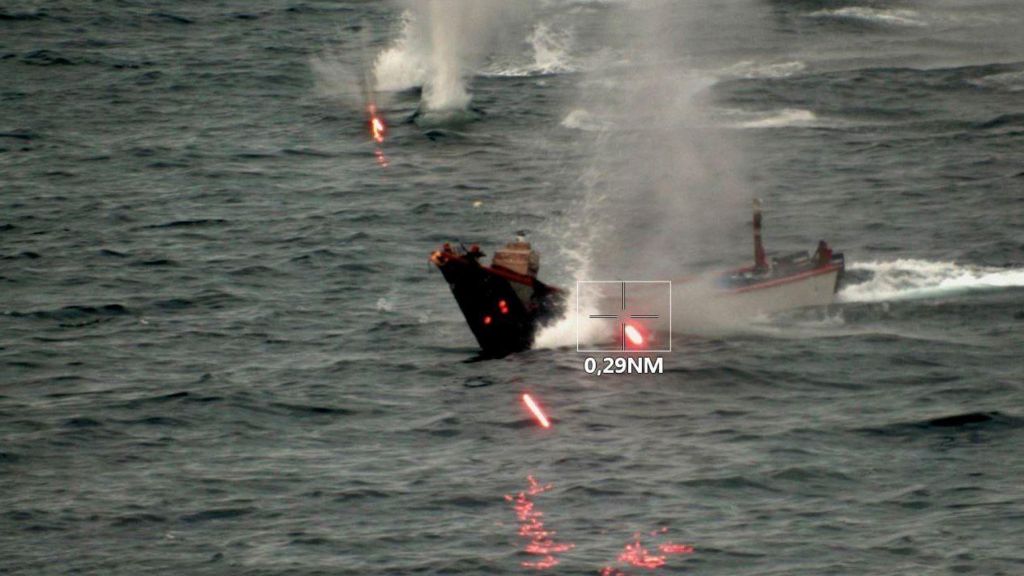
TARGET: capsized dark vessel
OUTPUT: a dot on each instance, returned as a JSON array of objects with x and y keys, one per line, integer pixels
[{"x": 504, "y": 303}]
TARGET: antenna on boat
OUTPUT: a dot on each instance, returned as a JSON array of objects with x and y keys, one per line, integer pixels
[{"x": 760, "y": 258}]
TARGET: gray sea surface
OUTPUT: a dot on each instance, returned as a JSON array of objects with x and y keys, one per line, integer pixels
[{"x": 222, "y": 350}]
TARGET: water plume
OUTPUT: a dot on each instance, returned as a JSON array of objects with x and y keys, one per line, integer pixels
[
  {"x": 441, "y": 45},
  {"x": 671, "y": 199},
  {"x": 664, "y": 195}
]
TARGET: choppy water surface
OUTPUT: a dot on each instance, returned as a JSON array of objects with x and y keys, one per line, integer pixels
[{"x": 222, "y": 351}]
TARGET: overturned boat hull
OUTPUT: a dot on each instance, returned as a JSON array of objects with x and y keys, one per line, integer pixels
[{"x": 503, "y": 308}]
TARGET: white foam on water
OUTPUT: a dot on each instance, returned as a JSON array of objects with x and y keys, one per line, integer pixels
[
  {"x": 581, "y": 119},
  {"x": 563, "y": 333},
  {"x": 800, "y": 324},
  {"x": 904, "y": 279},
  {"x": 750, "y": 69},
  {"x": 785, "y": 118},
  {"x": 890, "y": 17},
  {"x": 907, "y": 279},
  {"x": 550, "y": 47},
  {"x": 1009, "y": 81}
]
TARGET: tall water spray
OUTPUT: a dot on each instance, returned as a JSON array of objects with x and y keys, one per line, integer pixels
[
  {"x": 664, "y": 195},
  {"x": 441, "y": 45},
  {"x": 669, "y": 196}
]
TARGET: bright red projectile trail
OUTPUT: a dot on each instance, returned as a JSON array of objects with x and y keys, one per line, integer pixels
[{"x": 537, "y": 413}]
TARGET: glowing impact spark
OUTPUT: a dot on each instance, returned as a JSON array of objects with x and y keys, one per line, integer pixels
[
  {"x": 537, "y": 413},
  {"x": 377, "y": 127},
  {"x": 634, "y": 335}
]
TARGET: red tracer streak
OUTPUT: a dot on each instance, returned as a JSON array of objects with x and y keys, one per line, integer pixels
[{"x": 537, "y": 413}]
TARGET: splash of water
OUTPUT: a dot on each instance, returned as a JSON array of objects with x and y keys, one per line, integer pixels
[
  {"x": 881, "y": 16},
  {"x": 1009, "y": 81},
  {"x": 785, "y": 118},
  {"x": 580, "y": 119},
  {"x": 750, "y": 69},
  {"x": 550, "y": 49},
  {"x": 441, "y": 45},
  {"x": 908, "y": 279},
  {"x": 446, "y": 86},
  {"x": 664, "y": 195},
  {"x": 402, "y": 65}
]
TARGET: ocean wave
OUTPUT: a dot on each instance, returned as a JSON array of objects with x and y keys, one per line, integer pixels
[
  {"x": 785, "y": 118},
  {"x": 907, "y": 279},
  {"x": 887, "y": 17},
  {"x": 1009, "y": 81},
  {"x": 951, "y": 423},
  {"x": 73, "y": 312},
  {"x": 749, "y": 69},
  {"x": 1001, "y": 121}
]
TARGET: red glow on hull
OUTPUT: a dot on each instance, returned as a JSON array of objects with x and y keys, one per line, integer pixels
[{"x": 537, "y": 412}]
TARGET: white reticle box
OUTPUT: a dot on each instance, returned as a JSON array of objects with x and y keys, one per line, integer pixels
[{"x": 624, "y": 316}]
